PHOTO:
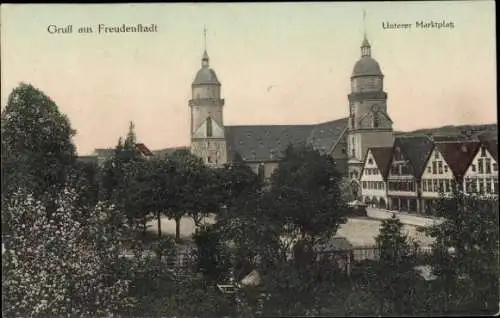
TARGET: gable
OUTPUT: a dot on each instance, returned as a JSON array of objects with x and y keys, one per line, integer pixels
[
  {"x": 383, "y": 119},
  {"x": 204, "y": 129},
  {"x": 370, "y": 166},
  {"x": 415, "y": 150},
  {"x": 382, "y": 157},
  {"x": 457, "y": 155}
]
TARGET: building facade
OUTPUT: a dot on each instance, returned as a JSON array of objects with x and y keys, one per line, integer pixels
[
  {"x": 374, "y": 177},
  {"x": 481, "y": 176}
]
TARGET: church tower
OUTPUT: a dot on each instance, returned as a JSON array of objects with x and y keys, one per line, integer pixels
[
  {"x": 369, "y": 123},
  {"x": 207, "y": 124}
]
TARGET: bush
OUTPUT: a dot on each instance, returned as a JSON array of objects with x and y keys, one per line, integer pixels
[{"x": 55, "y": 265}]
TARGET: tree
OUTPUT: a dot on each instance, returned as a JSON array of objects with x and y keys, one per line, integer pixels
[
  {"x": 113, "y": 179},
  {"x": 239, "y": 180},
  {"x": 466, "y": 251},
  {"x": 189, "y": 184},
  {"x": 61, "y": 266},
  {"x": 305, "y": 194},
  {"x": 37, "y": 147},
  {"x": 395, "y": 274}
]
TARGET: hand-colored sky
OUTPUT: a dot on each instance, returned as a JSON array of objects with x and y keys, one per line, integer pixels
[{"x": 305, "y": 51}]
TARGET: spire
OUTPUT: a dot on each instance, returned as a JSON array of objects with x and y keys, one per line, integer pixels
[
  {"x": 365, "y": 46},
  {"x": 205, "y": 59}
]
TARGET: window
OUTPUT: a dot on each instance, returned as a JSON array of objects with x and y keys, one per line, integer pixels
[
  {"x": 429, "y": 169},
  {"x": 364, "y": 184},
  {"x": 481, "y": 186},
  {"x": 469, "y": 185},
  {"x": 495, "y": 166},
  {"x": 261, "y": 172},
  {"x": 424, "y": 185},
  {"x": 488, "y": 165},
  {"x": 473, "y": 167},
  {"x": 398, "y": 156},
  {"x": 488, "y": 186},
  {"x": 435, "y": 185},
  {"x": 480, "y": 166},
  {"x": 209, "y": 159},
  {"x": 434, "y": 167},
  {"x": 495, "y": 186},
  {"x": 395, "y": 170},
  {"x": 370, "y": 161},
  {"x": 441, "y": 185},
  {"x": 375, "y": 120},
  {"x": 436, "y": 155},
  {"x": 446, "y": 185},
  {"x": 445, "y": 169},
  {"x": 440, "y": 167},
  {"x": 483, "y": 152},
  {"x": 209, "y": 127}
]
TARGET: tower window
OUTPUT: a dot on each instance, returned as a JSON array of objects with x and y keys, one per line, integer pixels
[
  {"x": 209, "y": 127},
  {"x": 375, "y": 120}
]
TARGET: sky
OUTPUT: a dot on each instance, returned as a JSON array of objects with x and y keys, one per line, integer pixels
[{"x": 279, "y": 63}]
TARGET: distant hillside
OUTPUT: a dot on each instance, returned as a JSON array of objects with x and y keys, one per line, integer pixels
[{"x": 489, "y": 130}]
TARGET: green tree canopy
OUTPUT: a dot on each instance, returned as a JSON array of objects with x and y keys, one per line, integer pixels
[
  {"x": 305, "y": 193},
  {"x": 37, "y": 147},
  {"x": 395, "y": 273},
  {"x": 466, "y": 249}
]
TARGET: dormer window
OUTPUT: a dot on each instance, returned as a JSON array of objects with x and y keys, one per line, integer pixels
[{"x": 370, "y": 161}]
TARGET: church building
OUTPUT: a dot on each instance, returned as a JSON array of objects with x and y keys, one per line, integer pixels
[{"x": 346, "y": 139}]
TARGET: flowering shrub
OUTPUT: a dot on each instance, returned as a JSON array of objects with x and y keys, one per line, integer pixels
[{"x": 60, "y": 262}]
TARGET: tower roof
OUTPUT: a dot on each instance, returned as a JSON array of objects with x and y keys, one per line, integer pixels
[
  {"x": 366, "y": 66},
  {"x": 206, "y": 75}
]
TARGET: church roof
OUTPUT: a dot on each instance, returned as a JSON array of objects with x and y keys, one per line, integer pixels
[
  {"x": 366, "y": 66},
  {"x": 458, "y": 155},
  {"x": 267, "y": 143}
]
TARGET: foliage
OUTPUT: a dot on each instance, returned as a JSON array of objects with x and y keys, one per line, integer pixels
[
  {"x": 191, "y": 184},
  {"x": 305, "y": 193},
  {"x": 466, "y": 249},
  {"x": 112, "y": 173},
  {"x": 395, "y": 274},
  {"x": 239, "y": 180},
  {"x": 212, "y": 259},
  {"x": 37, "y": 147},
  {"x": 61, "y": 266},
  {"x": 83, "y": 178}
]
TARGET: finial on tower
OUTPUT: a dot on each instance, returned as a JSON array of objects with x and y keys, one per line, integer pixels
[
  {"x": 204, "y": 38},
  {"x": 205, "y": 59},
  {"x": 365, "y": 46}
]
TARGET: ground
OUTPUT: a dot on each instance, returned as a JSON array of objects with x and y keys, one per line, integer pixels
[{"x": 358, "y": 231}]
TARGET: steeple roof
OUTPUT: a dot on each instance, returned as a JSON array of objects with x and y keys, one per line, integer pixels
[
  {"x": 206, "y": 75},
  {"x": 366, "y": 66}
]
